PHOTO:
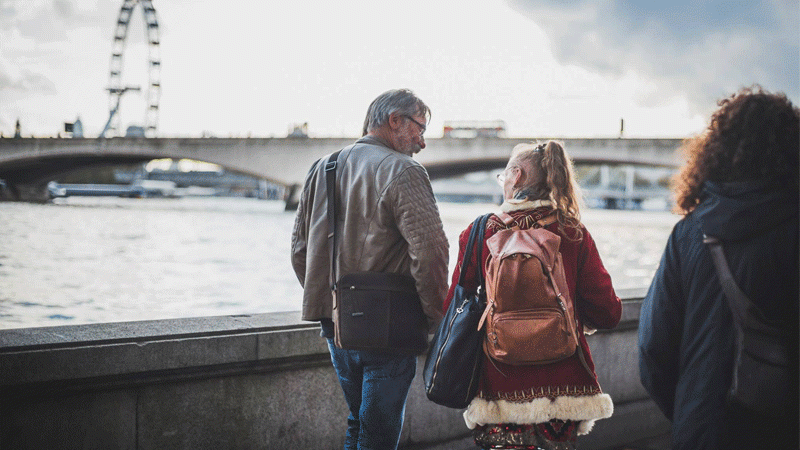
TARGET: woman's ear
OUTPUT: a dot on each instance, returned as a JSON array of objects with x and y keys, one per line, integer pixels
[{"x": 518, "y": 177}]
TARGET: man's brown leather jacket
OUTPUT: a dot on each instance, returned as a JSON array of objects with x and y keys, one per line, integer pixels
[{"x": 387, "y": 221}]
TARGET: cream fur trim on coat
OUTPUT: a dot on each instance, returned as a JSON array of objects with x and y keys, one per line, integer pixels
[
  {"x": 586, "y": 408},
  {"x": 519, "y": 205}
]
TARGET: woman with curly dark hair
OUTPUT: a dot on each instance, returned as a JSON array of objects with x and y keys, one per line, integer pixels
[{"x": 740, "y": 185}]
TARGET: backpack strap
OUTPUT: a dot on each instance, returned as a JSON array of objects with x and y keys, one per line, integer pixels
[
  {"x": 543, "y": 222},
  {"x": 510, "y": 223},
  {"x": 508, "y": 220},
  {"x": 548, "y": 219}
]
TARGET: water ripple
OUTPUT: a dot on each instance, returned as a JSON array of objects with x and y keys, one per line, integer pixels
[{"x": 110, "y": 259}]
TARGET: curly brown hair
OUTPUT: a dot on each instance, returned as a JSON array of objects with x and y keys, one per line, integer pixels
[{"x": 752, "y": 136}]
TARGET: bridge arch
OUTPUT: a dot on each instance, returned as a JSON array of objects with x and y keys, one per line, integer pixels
[{"x": 286, "y": 161}]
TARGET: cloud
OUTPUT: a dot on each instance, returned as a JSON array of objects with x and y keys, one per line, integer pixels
[
  {"x": 703, "y": 49},
  {"x": 259, "y": 66},
  {"x": 39, "y": 39},
  {"x": 48, "y": 52},
  {"x": 25, "y": 81},
  {"x": 29, "y": 31},
  {"x": 64, "y": 9}
]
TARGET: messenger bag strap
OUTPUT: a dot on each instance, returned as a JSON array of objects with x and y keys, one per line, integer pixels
[
  {"x": 737, "y": 300},
  {"x": 330, "y": 188},
  {"x": 740, "y": 304}
]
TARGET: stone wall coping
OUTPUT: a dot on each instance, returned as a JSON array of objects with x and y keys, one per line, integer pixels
[
  {"x": 16, "y": 339},
  {"x": 159, "y": 349}
]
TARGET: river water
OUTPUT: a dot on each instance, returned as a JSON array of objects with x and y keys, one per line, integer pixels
[{"x": 98, "y": 259}]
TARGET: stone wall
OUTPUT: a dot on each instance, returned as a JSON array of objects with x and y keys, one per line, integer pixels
[{"x": 237, "y": 382}]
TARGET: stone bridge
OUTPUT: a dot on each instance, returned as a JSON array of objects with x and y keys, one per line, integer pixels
[{"x": 27, "y": 164}]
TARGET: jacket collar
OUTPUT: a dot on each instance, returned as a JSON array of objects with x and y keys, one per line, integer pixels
[
  {"x": 373, "y": 140},
  {"x": 519, "y": 205}
]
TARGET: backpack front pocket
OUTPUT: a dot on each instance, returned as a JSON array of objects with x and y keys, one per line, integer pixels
[{"x": 539, "y": 336}]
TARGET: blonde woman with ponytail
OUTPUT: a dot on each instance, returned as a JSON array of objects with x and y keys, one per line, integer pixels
[{"x": 544, "y": 406}]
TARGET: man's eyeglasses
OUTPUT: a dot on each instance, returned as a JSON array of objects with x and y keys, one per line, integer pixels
[{"x": 422, "y": 127}]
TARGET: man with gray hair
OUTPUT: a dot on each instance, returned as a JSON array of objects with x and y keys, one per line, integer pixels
[{"x": 387, "y": 221}]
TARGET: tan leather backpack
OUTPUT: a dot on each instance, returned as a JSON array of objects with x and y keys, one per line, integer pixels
[{"x": 529, "y": 316}]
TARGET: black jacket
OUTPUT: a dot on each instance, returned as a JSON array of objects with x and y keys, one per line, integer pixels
[{"x": 686, "y": 334}]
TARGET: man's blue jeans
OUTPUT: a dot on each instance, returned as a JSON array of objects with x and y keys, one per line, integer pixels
[{"x": 375, "y": 388}]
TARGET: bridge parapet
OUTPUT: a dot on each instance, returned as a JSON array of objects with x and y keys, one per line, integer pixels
[
  {"x": 254, "y": 381},
  {"x": 286, "y": 160}
]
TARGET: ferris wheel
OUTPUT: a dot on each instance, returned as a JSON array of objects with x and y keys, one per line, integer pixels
[{"x": 115, "y": 87}]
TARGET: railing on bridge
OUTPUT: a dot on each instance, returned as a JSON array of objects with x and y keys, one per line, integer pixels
[{"x": 603, "y": 186}]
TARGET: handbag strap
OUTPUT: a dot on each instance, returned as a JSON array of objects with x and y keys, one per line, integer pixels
[
  {"x": 475, "y": 237},
  {"x": 330, "y": 187},
  {"x": 479, "y": 255}
]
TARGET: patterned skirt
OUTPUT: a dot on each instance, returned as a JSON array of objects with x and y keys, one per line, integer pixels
[{"x": 553, "y": 435}]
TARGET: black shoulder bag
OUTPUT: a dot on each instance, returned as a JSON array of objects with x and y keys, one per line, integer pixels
[
  {"x": 372, "y": 311},
  {"x": 761, "y": 365},
  {"x": 453, "y": 368}
]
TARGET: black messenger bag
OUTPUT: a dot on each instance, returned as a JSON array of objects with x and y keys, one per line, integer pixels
[
  {"x": 373, "y": 311},
  {"x": 379, "y": 312}
]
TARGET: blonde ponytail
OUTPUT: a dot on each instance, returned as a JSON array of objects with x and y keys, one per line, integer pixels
[{"x": 553, "y": 179}]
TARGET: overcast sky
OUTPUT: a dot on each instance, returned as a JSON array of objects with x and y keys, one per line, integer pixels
[{"x": 546, "y": 67}]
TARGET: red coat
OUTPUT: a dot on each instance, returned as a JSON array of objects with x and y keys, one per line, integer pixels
[{"x": 561, "y": 390}]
